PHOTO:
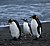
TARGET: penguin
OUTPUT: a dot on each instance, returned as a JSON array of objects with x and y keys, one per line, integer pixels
[
  {"x": 15, "y": 30},
  {"x": 36, "y": 26},
  {"x": 26, "y": 28}
]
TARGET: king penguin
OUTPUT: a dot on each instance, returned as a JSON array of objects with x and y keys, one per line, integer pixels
[
  {"x": 36, "y": 26},
  {"x": 15, "y": 30},
  {"x": 26, "y": 28}
]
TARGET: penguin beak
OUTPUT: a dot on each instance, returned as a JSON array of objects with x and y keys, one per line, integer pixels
[
  {"x": 30, "y": 17},
  {"x": 22, "y": 19}
]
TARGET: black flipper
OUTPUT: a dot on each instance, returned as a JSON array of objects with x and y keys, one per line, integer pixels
[
  {"x": 38, "y": 29},
  {"x": 39, "y": 23},
  {"x": 30, "y": 28},
  {"x": 10, "y": 33}
]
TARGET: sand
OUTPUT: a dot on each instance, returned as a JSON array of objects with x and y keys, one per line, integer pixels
[{"x": 44, "y": 41}]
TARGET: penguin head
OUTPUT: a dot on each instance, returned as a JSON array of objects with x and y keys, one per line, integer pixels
[
  {"x": 34, "y": 17},
  {"x": 10, "y": 21},
  {"x": 25, "y": 20}
]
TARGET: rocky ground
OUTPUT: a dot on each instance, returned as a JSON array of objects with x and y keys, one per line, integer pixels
[{"x": 44, "y": 41}]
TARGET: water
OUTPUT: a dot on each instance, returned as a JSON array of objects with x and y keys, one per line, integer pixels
[{"x": 18, "y": 9}]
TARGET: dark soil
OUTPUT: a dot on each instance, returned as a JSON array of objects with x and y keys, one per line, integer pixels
[{"x": 44, "y": 41}]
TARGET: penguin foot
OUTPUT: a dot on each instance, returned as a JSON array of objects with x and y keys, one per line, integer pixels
[
  {"x": 15, "y": 39},
  {"x": 36, "y": 39},
  {"x": 40, "y": 36},
  {"x": 19, "y": 38}
]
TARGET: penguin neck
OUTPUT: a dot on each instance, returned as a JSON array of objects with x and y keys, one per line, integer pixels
[
  {"x": 12, "y": 23},
  {"x": 34, "y": 22},
  {"x": 25, "y": 22},
  {"x": 33, "y": 19}
]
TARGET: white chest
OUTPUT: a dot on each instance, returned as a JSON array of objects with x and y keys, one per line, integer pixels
[
  {"x": 14, "y": 29},
  {"x": 34, "y": 26},
  {"x": 26, "y": 28}
]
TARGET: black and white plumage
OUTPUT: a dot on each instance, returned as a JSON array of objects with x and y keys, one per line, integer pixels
[
  {"x": 26, "y": 27},
  {"x": 14, "y": 29},
  {"x": 39, "y": 28},
  {"x": 36, "y": 26}
]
